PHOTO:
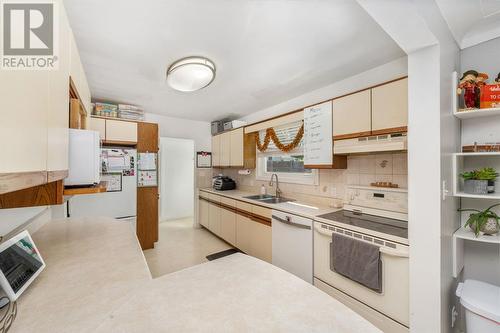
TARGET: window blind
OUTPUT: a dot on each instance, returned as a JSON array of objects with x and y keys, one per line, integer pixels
[{"x": 286, "y": 134}]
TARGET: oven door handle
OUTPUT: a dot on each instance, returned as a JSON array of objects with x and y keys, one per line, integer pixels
[
  {"x": 290, "y": 223},
  {"x": 394, "y": 253}
]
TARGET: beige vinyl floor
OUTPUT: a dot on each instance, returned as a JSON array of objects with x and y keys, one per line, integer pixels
[{"x": 180, "y": 245}]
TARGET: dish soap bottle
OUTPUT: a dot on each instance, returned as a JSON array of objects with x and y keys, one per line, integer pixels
[{"x": 262, "y": 190}]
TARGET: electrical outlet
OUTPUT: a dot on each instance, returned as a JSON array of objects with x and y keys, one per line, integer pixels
[{"x": 454, "y": 315}]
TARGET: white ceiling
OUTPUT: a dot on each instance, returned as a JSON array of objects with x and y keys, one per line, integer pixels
[
  {"x": 472, "y": 21},
  {"x": 266, "y": 52}
]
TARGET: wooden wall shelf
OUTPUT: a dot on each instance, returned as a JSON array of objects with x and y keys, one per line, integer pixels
[
  {"x": 477, "y": 113},
  {"x": 41, "y": 195},
  {"x": 118, "y": 143},
  {"x": 85, "y": 190}
]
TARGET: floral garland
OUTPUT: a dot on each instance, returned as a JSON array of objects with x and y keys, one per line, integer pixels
[{"x": 271, "y": 135}]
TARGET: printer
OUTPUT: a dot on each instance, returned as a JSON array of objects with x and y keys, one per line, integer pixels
[{"x": 223, "y": 183}]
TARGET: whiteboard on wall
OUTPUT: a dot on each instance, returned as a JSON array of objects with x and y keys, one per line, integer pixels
[{"x": 318, "y": 137}]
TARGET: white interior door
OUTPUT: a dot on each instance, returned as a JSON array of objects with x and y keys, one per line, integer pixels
[{"x": 176, "y": 178}]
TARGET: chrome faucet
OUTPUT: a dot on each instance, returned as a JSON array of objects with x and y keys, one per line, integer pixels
[{"x": 278, "y": 191}]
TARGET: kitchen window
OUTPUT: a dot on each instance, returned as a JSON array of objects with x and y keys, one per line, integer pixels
[{"x": 288, "y": 166}]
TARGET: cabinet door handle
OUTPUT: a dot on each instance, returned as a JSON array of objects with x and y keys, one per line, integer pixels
[{"x": 293, "y": 224}]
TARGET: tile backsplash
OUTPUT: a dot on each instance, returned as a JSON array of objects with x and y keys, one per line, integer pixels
[{"x": 361, "y": 170}]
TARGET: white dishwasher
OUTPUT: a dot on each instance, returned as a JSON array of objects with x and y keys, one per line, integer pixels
[{"x": 293, "y": 244}]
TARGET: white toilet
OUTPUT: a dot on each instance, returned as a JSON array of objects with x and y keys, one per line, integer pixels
[{"x": 482, "y": 306}]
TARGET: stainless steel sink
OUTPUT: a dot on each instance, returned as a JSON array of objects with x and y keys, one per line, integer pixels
[
  {"x": 268, "y": 198},
  {"x": 260, "y": 197},
  {"x": 275, "y": 200}
]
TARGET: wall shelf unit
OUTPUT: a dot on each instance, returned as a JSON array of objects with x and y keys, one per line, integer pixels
[
  {"x": 472, "y": 131},
  {"x": 462, "y": 235},
  {"x": 469, "y": 161},
  {"x": 468, "y": 113},
  {"x": 467, "y": 234},
  {"x": 476, "y": 113}
]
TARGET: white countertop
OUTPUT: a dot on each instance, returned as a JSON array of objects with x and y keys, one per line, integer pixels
[
  {"x": 295, "y": 207},
  {"x": 93, "y": 265},
  {"x": 96, "y": 279},
  {"x": 237, "y": 293}
]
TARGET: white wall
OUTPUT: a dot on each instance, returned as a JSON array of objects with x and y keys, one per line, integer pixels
[
  {"x": 394, "y": 69},
  {"x": 15, "y": 220},
  {"x": 177, "y": 178},
  {"x": 481, "y": 261},
  {"x": 170, "y": 127},
  {"x": 420, "y": 30}
]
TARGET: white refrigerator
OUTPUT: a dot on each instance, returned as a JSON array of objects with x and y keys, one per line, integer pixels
[{"x": 119, "y": 170}]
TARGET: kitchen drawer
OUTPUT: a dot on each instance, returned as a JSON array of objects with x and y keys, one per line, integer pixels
[
  {"x": 204, "y": 194},
  {"x": 228, "y": 201},
  {"x": 214, "y": 197},
  {"x": 244, "y": 206},
  {"x": 262, "y": 211}
]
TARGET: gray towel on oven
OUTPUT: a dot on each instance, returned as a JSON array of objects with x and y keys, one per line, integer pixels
[{"x": 356, "y": 260}]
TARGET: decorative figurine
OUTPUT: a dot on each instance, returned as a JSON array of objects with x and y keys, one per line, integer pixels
[
  {"x": 468, "y": 84},
  {"x": 480, "y": 83}
]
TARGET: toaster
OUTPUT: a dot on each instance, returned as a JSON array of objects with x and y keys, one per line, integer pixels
[{"x": 224, "y": 183}]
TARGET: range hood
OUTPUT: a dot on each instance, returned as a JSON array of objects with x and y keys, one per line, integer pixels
[{"x": 371, "y": 144}]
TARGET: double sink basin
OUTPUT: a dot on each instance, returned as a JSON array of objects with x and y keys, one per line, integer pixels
[{"x": 270, "y": 199}]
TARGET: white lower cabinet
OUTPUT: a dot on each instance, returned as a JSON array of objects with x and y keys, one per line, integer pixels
[
  {"x": 237, "y": 228},
  {"x": 228, "y": 226},
  {"x": 214, "y": 219},
  {"x": 260, "y": 241},
  {"x": 203, "y": 212},
  {"x": 243, "y": 233}
]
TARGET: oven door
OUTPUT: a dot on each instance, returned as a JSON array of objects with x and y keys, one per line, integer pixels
[{"x": 394, "y": 299}]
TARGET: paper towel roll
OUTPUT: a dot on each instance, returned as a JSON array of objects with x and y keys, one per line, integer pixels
[{"x": 244, "y": 172}]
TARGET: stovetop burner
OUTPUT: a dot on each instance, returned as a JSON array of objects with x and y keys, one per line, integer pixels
[{"x": 380, "y": 224}]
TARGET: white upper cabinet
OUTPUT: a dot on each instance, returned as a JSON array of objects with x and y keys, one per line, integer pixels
[
  {"x": 237, "y": 148},
  {"x": 352, "y": 114},
  {"x": 35, "y": 115},
  {"x": 24, "y": 101},
  {"x": 216, "y": 150},
  {"x": 99, "y": 125},
  {"x": 225, "y": 149},
  {"x": 390, "y": 106},
  {"x": 121, "y": 131},
  {"x": 58, "y": 112}
]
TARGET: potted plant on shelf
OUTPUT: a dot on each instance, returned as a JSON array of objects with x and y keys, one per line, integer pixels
[
  {"x": 485, "y": 221},
  {"x": 480, "y": 181}
]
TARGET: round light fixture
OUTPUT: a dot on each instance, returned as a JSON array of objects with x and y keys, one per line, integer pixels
[{"x": 191, "y": 74}]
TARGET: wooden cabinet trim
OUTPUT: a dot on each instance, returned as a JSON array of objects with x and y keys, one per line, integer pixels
[
  {"x": 254, "y": 217},
  {"x": 41, "y": 195},
  {"x": 101, "y": 188},
  {"x": 327, "y": 100},
  {"x": 351, "y": 136},
  {"x": 339, "y": 162},
  {"x": 118, "y": 143},
  {"x": 73, "y": 92},
  {"x": 393, "y": 130}
]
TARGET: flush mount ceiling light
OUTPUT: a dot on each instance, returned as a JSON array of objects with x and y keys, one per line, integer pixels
[{"x": 190, "y": 74}]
